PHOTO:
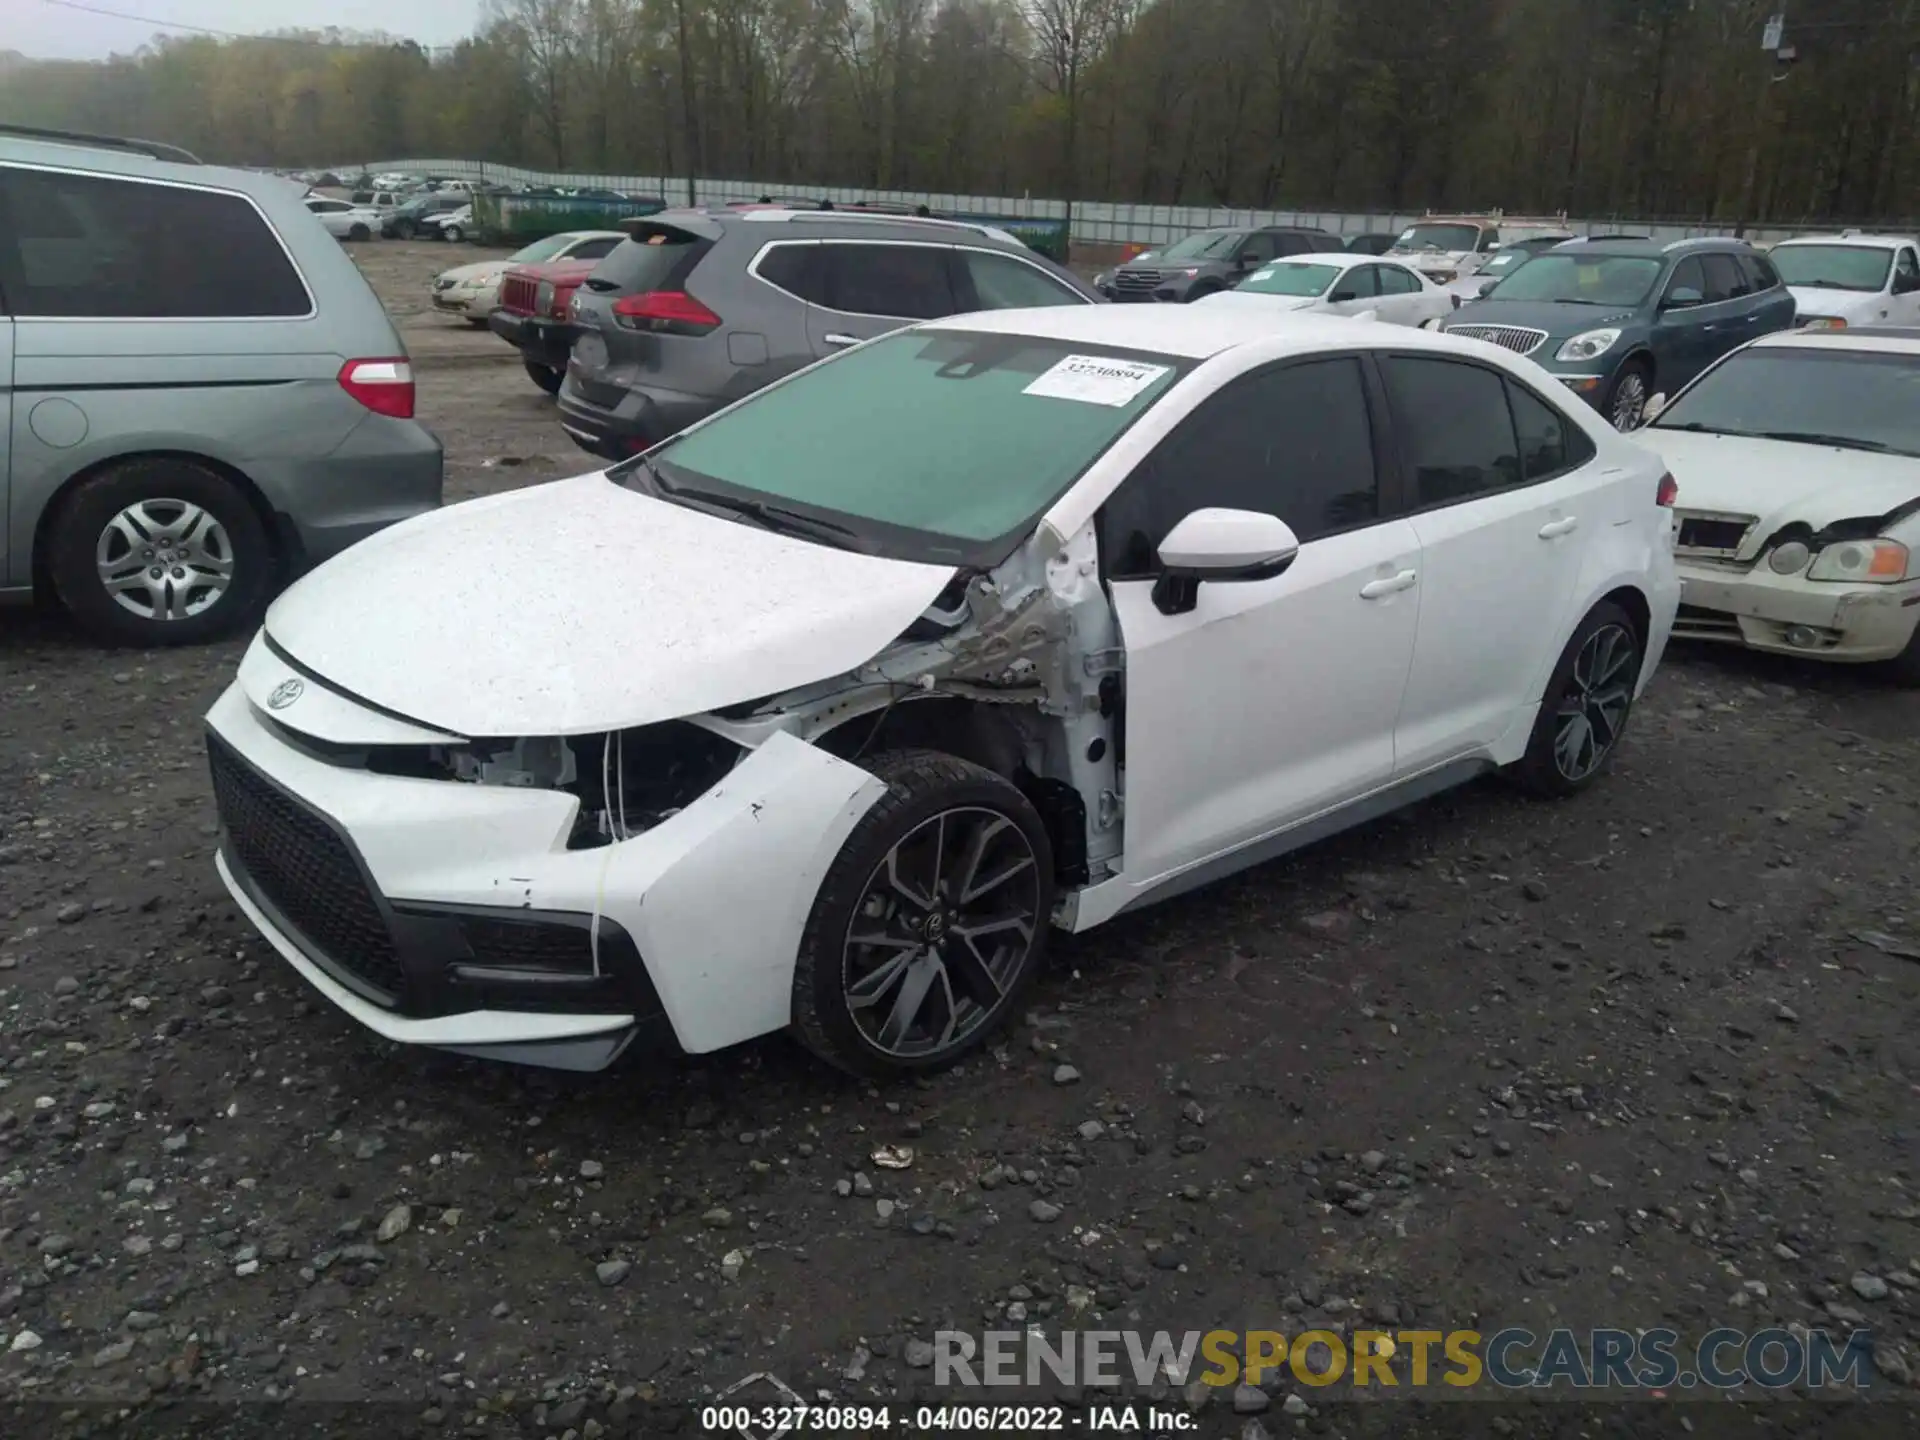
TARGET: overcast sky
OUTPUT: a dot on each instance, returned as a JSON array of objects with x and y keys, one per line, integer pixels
[{"x": 38, "y": 28}]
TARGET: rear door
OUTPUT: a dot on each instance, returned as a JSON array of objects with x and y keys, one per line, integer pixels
[
  {"x": 874, "y": 286},
  {"x": 1504, "y": 495},
  {"x": 1748, "y": 306},
  {"x": 1400, "y": 295}
]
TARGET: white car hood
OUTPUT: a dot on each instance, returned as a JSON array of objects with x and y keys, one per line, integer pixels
[
  {"x": 479, "y": 270},
  {"x": 1249, "y": 301},
  {"x": 1838, "y": 304},
  {"x": 579, "y": 606},
  {"x": 1781, "y": 480}
]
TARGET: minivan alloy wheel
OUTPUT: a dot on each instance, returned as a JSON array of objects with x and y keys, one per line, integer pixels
[
  {"x": 941, "y": 931},
  {"x": 1592, "y": 710},
  {"x": 164, "y": 559}
]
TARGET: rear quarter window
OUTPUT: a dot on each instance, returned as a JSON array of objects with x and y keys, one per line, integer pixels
[{"x": 95, "y": 247}]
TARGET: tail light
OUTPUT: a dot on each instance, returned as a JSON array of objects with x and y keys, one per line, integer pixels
[
  {"x": 1668, "y": 492},
  {"x": 665, "y": 312},
  {"x": 383, "y": 386}
]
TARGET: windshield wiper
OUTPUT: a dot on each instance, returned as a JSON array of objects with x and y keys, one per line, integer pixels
[
  {"x": 1843, "y": 442},
  {"x": 776, "y": 518}
]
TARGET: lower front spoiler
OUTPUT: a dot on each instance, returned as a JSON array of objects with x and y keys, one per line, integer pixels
[
  {"x": 553, "y": 1041},
  {"x": 1786, "y": 615}
]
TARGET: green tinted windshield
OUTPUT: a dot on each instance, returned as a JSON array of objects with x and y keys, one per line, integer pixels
[
  {"x": 1570, "y": 277},
  {"x": 1834, "y": 267},
  {"x": 1286, "y": 278},
  {"x": 930, "y": 445}
]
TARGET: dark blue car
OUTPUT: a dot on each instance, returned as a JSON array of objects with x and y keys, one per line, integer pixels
[{"x": 1616, "y": 321}]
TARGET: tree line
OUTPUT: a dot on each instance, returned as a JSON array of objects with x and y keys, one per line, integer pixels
[{"x": 1665, "y": 108}]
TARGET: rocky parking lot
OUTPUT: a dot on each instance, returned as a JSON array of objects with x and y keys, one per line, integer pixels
[{"x": 1643, "y": 1058}]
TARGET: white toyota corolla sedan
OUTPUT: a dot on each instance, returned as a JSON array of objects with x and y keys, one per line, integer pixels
[
  {"x": 821, "y": 714},
  {"x": 1340, "y": 284}
]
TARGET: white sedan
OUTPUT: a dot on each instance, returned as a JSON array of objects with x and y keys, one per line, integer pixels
[
  {"x": 473, "y": 291},
  {"x": 1340, "y": 284},
  {"x": 822, "y": 713},
  {"x": 1798, "y": 460},
  {"x": 345, "y": 221}
]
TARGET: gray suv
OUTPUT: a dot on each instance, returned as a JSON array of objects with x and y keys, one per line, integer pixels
[
  {"x": 1209, "y": 261},
  {"x": 205, "y": 394},
  {"x": 703, "y": 307}
]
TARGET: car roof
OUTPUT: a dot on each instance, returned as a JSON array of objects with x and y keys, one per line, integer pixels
[
  {"x": 1198, "y": 332},
  {"x": 1865, "y": 242},
  {"x": 1339, "y": 259},
  {"x": 1877, "y": 339}
]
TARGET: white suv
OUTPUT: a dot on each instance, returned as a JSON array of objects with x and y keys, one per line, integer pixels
[{"x": 822, "y": 713}]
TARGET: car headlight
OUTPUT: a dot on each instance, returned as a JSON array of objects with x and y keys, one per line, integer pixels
[
  {"x": 1788, "y": 559},
  {"x": 1103, "y": 280},
  {"x": 1878, "y": 562},
  {"x": 1824, "y": 322},
  {"x": 543, "y": 297},
  {"x": 1189, "y": 274},
  {"x": 1589, "y": 346}
]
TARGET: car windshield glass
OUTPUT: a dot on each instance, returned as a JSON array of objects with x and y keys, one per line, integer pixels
[
  {"x": 1833, "y": 267},
  {"x": 941, "y": 446},
  {"x": 540, "y": 250},
  {"x": 1439, "y": 237},
  {"x": 1208, "y": 244},
  {"x": 1857, "y": 399},
  {"x": 1288, "y": 279},
  {"x": 1610, "y": 280},
  {"x": 1505, "y": 262}
]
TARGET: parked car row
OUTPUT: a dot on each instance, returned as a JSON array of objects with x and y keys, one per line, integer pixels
[{"x": 910, "y": 645}]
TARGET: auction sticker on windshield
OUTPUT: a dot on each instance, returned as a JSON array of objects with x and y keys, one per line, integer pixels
[{"x": 1095, "y": 380}]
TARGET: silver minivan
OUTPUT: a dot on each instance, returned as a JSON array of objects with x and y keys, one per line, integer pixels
[{"x": 199, "y": 392}]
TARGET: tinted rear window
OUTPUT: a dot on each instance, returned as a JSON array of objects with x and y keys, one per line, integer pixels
[
  {"x": 658, "y": 257},
  {"x": 83, "y": 246}
]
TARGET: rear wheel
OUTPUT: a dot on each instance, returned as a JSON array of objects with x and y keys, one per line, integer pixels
[
  {"x": 1585, "y": 708},
  {"x": 359, "y": 232},
  {"x": 545, "y": 376},
  {"x": 404, "y": 230},
  {"x": 452, "y": 234},
  {"x": 160, "y": 552},
  {"x": 931, "y": 922}
]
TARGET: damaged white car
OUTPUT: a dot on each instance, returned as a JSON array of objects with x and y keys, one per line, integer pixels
[
  {"x": 820, "y": 714},
  {"x": 1798, "y": 461}
]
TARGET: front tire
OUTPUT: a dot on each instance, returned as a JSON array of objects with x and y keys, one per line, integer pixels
[
  {"x": 160, "y": 552},
  {"x": 1626, "y": 404},
  {"x": 545, "y": 376},
  {"x": 452, "y": 234},
  {"x": 404, "y": 230},
  {"x": 1585, "y": 708},
  {"x": 359, "y": 232},
  {"x": 931, "y": 922}
]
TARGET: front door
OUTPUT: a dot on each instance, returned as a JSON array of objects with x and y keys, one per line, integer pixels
[
  {"x": 1504, "y": 500},
  {"x": 1355, "y": 291},
  {"x": 1232, "y": 728},
  {"x": 872, "y": 287}
]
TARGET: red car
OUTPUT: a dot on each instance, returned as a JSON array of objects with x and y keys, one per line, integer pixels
[{"x": 533, "y": 316}]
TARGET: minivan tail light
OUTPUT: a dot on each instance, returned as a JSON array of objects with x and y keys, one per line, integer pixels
[
  {"x": 383, "y": 386},
  {"x": 665, "y": 312},
  {"x": 1668, "y": 492}
]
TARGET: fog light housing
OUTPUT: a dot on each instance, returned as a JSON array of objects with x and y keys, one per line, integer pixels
[{"x": 1803, "y": 637}]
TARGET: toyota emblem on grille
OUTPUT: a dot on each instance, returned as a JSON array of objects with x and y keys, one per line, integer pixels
[{"x": 285, "y": 693}]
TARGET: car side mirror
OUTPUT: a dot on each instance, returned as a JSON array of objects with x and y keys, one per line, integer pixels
[
  {"x": 1486, "y": 288},
  {"x": 1341, "y": 297},
  {"x": 1215, "y": 545},
  {"x": 1248, "y": 262},
  {"x": 1651, "y": 410},
  {"x": 1684, "y": 298}
]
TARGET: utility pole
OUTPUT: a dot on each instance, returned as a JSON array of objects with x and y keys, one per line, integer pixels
[{"x": 1773, "y": 43}]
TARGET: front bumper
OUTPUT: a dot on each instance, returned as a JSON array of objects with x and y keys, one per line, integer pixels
[
  {"x": 1790, "y": 615},
  {"x": 388, "y": 893},
  {"x": 545, "y": 342},
  {"x": 456, "y": 301}
]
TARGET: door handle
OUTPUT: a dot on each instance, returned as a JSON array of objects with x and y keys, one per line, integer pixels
[
  {"x": 1554, "y": 529},
  {"x": 839, "y": 339},
  {"x": 1392, "y": 585}
]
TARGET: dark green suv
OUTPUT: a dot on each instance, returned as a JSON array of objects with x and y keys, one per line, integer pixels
[{"x": 1617, "y": 320}]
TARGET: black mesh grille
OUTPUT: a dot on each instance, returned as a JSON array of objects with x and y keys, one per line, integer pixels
[
  {"x": 299, "y": 862},
  {"x": 1699, "y": 533}
]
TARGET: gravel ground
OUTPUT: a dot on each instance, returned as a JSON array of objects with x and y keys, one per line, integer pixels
[{"x": 1644, "y": 1058}]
